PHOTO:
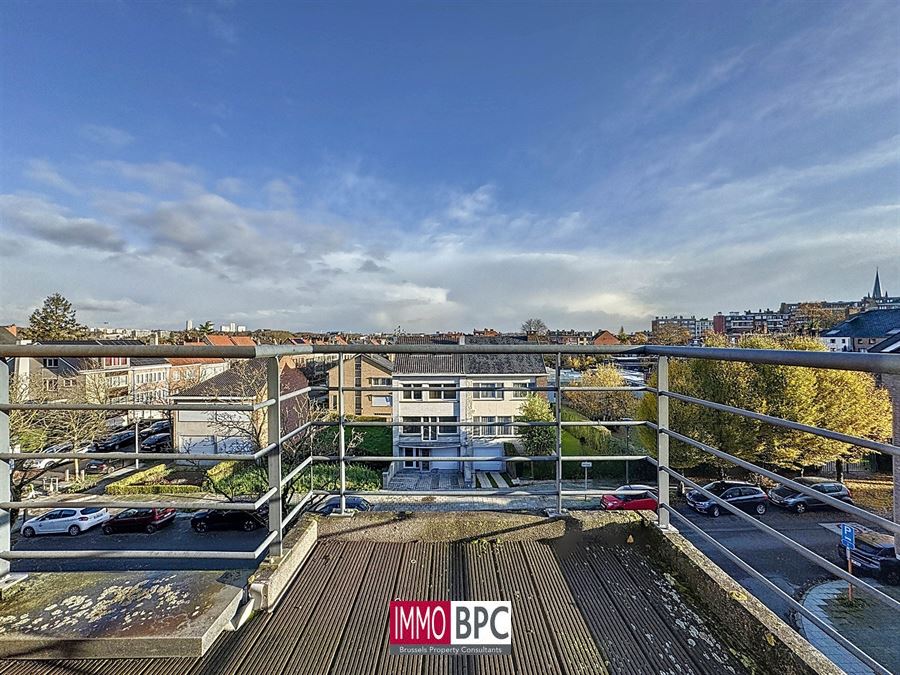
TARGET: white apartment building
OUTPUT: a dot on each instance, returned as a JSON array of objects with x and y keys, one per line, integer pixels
[{"x": 492, "y": 410}]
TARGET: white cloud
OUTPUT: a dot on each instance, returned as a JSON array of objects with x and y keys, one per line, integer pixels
[
  {"x": 107, "y": 136},
  {"x": 42, "y": 171},
  {"x": 38, "y": 218}
]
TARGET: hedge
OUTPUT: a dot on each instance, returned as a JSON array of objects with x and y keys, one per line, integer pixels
[
  {"x": 154, "y": 472},
  {"x": 222, "y": 470},
  {"x": 153, "y": 489}
]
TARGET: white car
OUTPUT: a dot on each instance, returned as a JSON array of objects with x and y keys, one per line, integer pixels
[{"x": 57, "y": 521}]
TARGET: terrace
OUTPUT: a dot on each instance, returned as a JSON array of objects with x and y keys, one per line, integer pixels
[{"x": 575, "y": 581}]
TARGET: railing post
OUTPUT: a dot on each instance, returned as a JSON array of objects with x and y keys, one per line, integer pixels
[
  {"x": 5, "y": 491},
  {"x": 273, "y": 422},
  {"x": 662, "y": 439},
  {"x": 342, "y": 449},
  {"x": 559, "y": 462}
]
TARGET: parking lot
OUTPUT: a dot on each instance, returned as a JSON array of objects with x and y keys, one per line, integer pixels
[{"x": 177, "y": 536}]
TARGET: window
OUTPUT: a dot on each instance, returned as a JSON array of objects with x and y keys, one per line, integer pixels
[
  {"x": 381, "y": 401},
  {"x": 494, "y": 426},
  {"x": 51, "y": 385},
  {"x": 491, "y": 390},
  {"x": 69, "y": 382},
  {"x": 446, "y": 394},
  {"x": 428, "y": 428},
  {"x": 51, "y": 363},
  {"x": 412, "y": 392},
  {"x": 380, "y": 381},
  {"x": 521, "y": 389},
  {"x": 113, "y": 361}
]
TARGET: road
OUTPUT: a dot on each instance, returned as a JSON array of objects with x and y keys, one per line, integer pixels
[
  {"x": 178, "y": 536},
  {"x": 777, "y": 562}
]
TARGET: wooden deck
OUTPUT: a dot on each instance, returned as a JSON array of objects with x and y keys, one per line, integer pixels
[{"x": 595, "y": 609}]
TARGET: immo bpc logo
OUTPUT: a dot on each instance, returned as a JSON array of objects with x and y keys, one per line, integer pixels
[{"x": 450, "y": 627}]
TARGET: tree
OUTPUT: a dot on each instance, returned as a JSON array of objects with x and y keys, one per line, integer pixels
[
  {"x": 538, "y": 440},
  {"x": 622, "y": 336},
  {"x": 55, "y": 320},
  {"x": 845, "y": 401},
  {"x": 670, "y": 334},
  {"x": 612, "y": 405},
  {"x": 205, "y": 328},
  {"x": 535, "y": 326}
]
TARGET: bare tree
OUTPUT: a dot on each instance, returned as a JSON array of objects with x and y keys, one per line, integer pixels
[{"x": 535, "y": 326}]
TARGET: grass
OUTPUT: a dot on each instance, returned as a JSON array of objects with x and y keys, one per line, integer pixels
[{"x": 874, "y": 494}]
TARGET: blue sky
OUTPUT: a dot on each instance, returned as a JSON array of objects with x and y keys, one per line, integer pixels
[{"x": 445, "y": 165}]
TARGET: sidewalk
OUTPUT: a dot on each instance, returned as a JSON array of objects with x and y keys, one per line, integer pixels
[{"x": 869, "y": 624}]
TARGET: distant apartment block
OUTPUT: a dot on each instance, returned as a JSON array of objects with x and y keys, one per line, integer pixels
[
  {"x": 697, "y": 327},
  {"x": 362, "y": 371},
  {"x": 740, "y": 323},
  {"x": 493, "y": 410}
]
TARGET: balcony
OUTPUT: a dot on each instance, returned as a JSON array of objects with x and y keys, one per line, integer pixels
[{"x": 580, "y": 565}]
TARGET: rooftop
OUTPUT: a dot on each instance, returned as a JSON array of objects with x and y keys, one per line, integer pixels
[
  {"x": 468, "y": 364},
  {"x": 871, "y": 324}
]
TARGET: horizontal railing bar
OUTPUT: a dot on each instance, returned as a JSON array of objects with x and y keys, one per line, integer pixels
[
  {"x": 132, "y": 553},
  {"x": 788, "y": 424},
  {"x": 294, "y": 394},
  {"x": 493, "y": 458},
  {"x": 160, "y": 351},
  {"x": 510, "y": 492},
  {"x": 188, "y": 505},
  {"x": 262, "y": 405},
  {"x": 289, "y": 435},
  {"x": 426, "y": 390},
  {"x": 831, "y": 501},
  {"x": 522, "y": 348},
  {"x": 296, "y": 470},
  {"x": 874, "y": 363},
  {"x": 584, "y": 423},
  {"x": 211, "y": 407},
  {"x": 799, "y": 548},
  {"x": 187, "y": 456},
  {"x": 793, "y": 604},
  {"x": 297, "y": 509}
]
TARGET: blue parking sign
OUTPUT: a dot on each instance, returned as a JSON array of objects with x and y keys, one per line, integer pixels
[{"x": 848, "y": 537}]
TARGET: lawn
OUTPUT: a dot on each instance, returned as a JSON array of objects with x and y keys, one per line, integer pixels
[{"x": 874, "y": 494}]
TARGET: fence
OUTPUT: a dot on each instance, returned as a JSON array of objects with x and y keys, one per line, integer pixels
[{"x": 278, "y": 520}]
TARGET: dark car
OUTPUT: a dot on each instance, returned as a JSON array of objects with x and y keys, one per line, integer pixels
[
  {"x": 333, "y": 505},
  {"x": 100, "y": 466},
  {"x": 216, "y": 519},
  {"x": 118, "y": 441},
  {"x": 158, "y": 427},
  {"x": 157, "y": 443},
  {"x": 874, "y": 554},
  {"x": 788, "y": 498},
  {"x": 139, "y": 520},
  {"x": 744, "y": 496}
]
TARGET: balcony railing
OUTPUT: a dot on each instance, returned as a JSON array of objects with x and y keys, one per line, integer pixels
[{"x": 280, "y": 519}]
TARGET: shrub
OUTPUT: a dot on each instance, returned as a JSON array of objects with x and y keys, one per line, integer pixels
[
  {"x": 152, "y": 475},
  {"x": 152, "y": 489}
]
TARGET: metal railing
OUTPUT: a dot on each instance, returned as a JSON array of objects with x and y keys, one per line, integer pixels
[{"x": 278, "y": 520}]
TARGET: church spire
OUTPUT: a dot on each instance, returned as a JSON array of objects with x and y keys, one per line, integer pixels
[{"x": 876, "y": 292}]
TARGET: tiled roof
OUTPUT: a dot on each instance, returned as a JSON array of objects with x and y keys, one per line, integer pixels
[
  {"x": 79, "y": 363},
  {"x": 219, "y": 340},
  {"x": 6, "y": 338},
  {"x": 872, "y": 324},
  {"x": 243, "y": 341},
  {"x": 468, "y": 364},
  {"x": 889, "y": 346},
  {"x": 245, "y": 379}
]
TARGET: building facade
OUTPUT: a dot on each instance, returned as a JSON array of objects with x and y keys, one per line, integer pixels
[
  {"x": 363, "y": 370},
  {"x": 461, "y": 423}
]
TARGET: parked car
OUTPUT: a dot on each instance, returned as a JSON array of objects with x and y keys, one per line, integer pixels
[
  {"x": 100, "y": 466},
  {"x": 641, "y": 501},
  {"x": 788, "y": 498},
  {"x": 118, "y": 441},
  {"x": 744, "y": 496},
  {"x": 47, "y": 462},
  {"x": 158, "y": 427},
  {"x": 157, "y": 443},
  {"x": 139, "y": 520},
  {"x": 57, "y": 521},
  {"x": 333, "y": 504},
  {"x": 874, "y": 554},
  {"x": 216, "y": 519}
]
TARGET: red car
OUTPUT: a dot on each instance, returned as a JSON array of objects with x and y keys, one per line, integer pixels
[
  {"x": 139, "y": 520},
  {"x": 642, "y": 501}
]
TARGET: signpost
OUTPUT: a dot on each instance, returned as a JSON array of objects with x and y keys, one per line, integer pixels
[
  {"x": 586, "y": 466},
  {"x": 848, "y": 541}
]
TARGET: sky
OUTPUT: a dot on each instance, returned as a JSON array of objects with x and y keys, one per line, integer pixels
[{"x": 437, "y": 165}]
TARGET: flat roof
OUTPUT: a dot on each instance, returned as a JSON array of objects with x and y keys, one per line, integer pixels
[{"x": 578, "y": 609}]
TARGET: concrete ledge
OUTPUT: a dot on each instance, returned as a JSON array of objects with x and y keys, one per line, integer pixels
[
  {"x": 776, "y": 647},
  {"x": 268, "y": 583},
  {"x": 93, "y": 615}
]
